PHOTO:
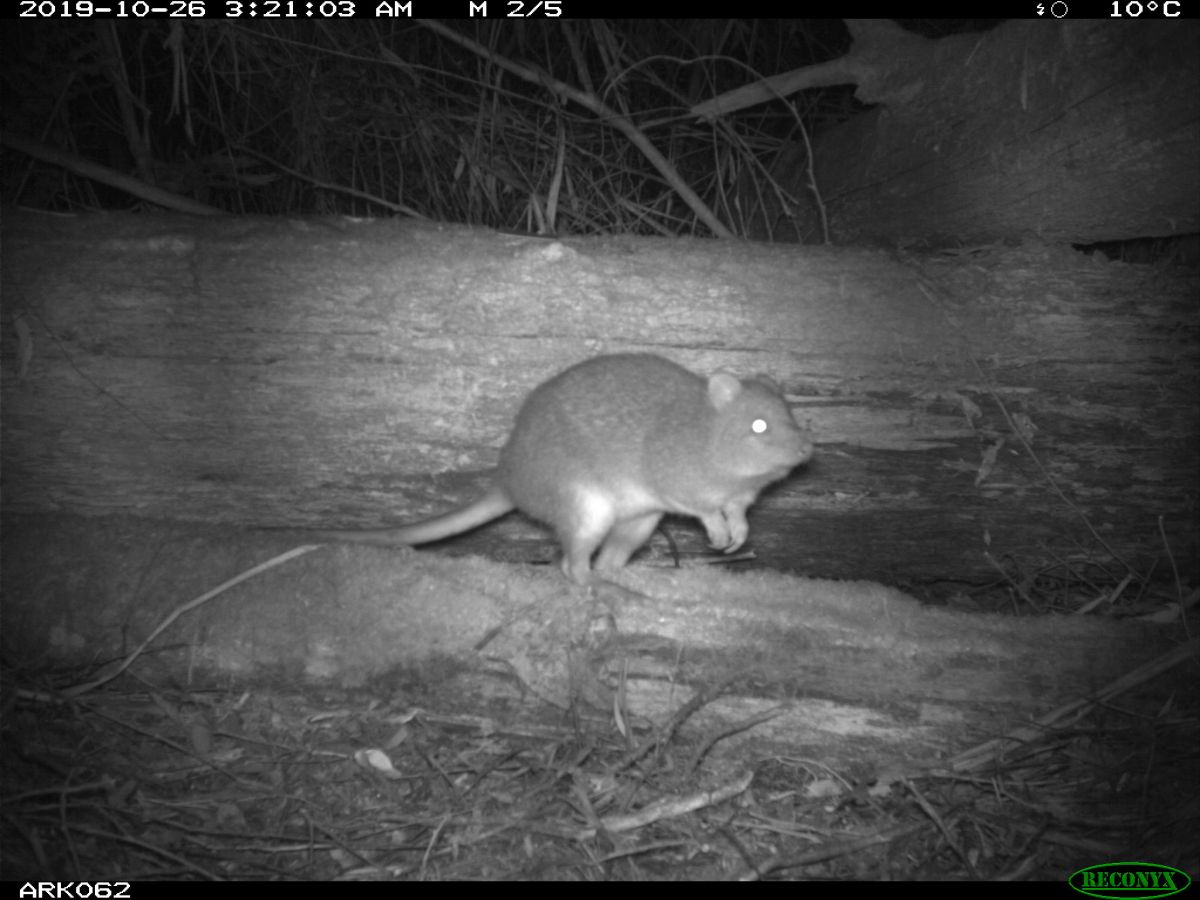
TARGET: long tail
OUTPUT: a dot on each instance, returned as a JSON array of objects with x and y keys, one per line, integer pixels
[{"x": 491, "y": 505}]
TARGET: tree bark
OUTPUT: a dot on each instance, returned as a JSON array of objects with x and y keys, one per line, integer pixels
[
  {"x": 1025, "y": 409},
  {"x": 854, "y": 674}
]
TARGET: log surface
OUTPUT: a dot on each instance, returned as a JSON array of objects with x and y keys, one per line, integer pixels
[{"x": 296, "y": 372}]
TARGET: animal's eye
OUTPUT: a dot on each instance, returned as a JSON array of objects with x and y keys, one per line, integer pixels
[{"x": 758, "y": 426}]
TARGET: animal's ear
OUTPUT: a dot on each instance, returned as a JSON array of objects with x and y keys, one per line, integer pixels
[{"x": 722, "y": 389}]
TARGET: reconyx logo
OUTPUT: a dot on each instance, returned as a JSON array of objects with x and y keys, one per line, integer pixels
[{"x": 1129, "y": 881}]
